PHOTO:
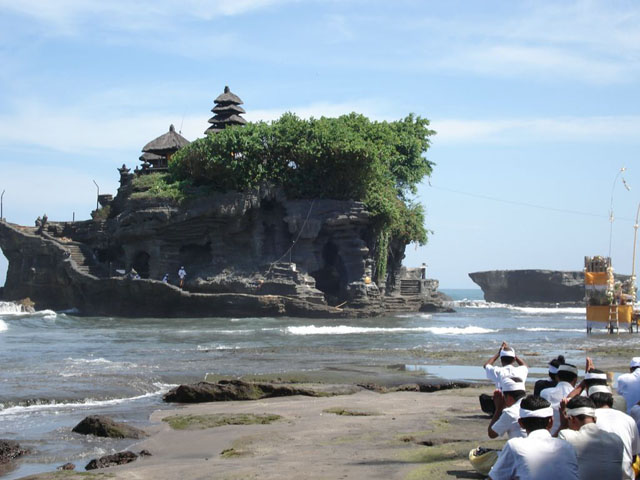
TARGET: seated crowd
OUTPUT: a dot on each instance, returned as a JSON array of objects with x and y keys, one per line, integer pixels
[{"x": 566, "y": 429}]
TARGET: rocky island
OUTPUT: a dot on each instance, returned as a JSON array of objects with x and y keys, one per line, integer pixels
[
  {"x": 296, "y": 218},
  {"x": 533, "y": 287}
]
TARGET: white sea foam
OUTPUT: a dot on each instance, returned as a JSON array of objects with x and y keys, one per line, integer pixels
[
  {"x": 3, "y": 326},
  {"x": 425, "y": 316},
  {"x": 77, "y": 361},
  {"x": 478, "y": 304},
  {"x": 549, "y": 329},
  {"x": 87, "y": 402},
  {"x": 206, "y": 348},
  {"x": 9, "y": 308},
  {"x": 548, "y": 310},
  {"x": 347, "y": 330}
]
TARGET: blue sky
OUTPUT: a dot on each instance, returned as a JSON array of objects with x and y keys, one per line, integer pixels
[{"x": 536, "y": 106}]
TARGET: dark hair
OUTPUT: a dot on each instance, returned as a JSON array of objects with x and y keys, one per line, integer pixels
[
  {"x": 601, "y": 399},
  {"x": 580, "y": 401},
  {"x": 595, "y": 381},
  {"x": 516, "y": 394},
  {"x": 565, "y": 376},
  {"x": 532, "y": 402}
]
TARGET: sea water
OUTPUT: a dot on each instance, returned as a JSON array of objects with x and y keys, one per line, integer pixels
[{"x": 58, "y": 368}]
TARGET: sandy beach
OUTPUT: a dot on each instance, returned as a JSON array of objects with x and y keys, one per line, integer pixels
[
  {"x": 363, "y": 434},
  {"x": 399, "y": 435}
]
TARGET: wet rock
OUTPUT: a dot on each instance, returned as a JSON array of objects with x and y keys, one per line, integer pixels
[
  {"x": 226, "y": 390},
  {"x": 105, "y": 427},
  {"x": 67, "y": 466},
  {"x": 10, "y": 450},
  {"x": 144, "y": 453},
  {"x": 111, "y": 460}
]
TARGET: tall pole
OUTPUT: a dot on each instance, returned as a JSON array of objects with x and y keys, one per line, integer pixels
[
  {"x": 1, "y": 206},
  {"x": 611, "y": 216},
  {"x": 98, "y": 196},
  {"x": 633, "y": 265}
]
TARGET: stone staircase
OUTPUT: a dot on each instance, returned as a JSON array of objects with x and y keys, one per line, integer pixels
[
  {"x": 84, "y": 261},
  {"x": 409, "y": 287},
  {"x": 402, "y": 304}
]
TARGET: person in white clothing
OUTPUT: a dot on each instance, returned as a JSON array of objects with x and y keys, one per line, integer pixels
[
  {"x": 599, "y": 452},
  {"x": 511, "y": 366},
  {"x": 629, "y": 384},
  {"x": 538, "y": 456},
  {"x": 182, "y": 273},
  {"x": 567, "y": 377},
  {"x": 616, "y": 422},
  {"x": 507, "y": 403}
]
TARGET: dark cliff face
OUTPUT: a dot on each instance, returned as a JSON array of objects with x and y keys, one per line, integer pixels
[
  {"x": 312, "y": 253},
  {"x": 522, "y": 287}
]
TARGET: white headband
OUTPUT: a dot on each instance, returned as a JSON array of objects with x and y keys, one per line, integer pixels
[
  {"x": 599, "y": 389},
  {"x": 540, "y": 413},
  {"x": 588, "y": 411},
  {"x": 553, "y": 370},
  {"x": 595, "y": 376},
  {"x": 507, "y": 353},
  {"x": 568, "y": 368},
  {"x": 508, "y": 385}
]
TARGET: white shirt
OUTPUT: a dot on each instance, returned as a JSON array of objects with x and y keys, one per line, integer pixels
[
  {"x": 629, "y": 387},
  {"x": 496, "y": 374},
  {"x": 599, "y": 452},
  {"x": 508, "y": 422},
  {"x": 635, "y": 414},
  {"x": 536, "y": 457},
  {"x": 182, "y": 273},
  {"x": 553, "y": 395},
  {"x": 624, "y": 426}
]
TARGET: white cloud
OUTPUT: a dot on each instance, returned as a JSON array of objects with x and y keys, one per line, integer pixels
[
  {"x": 539, "y": 130},
  {"x": 67, "y": 16}
]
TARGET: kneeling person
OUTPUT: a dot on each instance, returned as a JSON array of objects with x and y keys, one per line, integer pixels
[
  {"x": 539, "y": 456},
  {"x": 599, "y": 452},
  {"x": 507, "y": 413}
]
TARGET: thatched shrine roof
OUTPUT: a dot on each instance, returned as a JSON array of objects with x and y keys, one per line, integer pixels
[
  {"x": 231, "y": 108},
  {"x": 231, "y": 119},
  {"x": 150, "y": 157},
  {"x": 228, "y": 97},
  {"x": 167, "y": 143}
]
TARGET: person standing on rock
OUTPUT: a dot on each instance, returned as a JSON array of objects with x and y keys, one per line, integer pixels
[{"x": 182, "y": 273}]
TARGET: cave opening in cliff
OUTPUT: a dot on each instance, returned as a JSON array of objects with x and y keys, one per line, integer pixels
[
  {"x": 194, "y": 254},
  {"x": 331, "y": 278},
  {"x": 141, "y": 264},
  {"x": 4, "y": 268}
]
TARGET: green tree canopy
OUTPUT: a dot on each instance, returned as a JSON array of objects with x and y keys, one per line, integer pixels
[{"x": 344, "y": 158}]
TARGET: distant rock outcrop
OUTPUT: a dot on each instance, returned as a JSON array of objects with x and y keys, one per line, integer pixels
[{"x": 532, "y": 287}]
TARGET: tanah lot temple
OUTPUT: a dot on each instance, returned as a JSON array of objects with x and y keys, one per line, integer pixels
[{"x": 252, "y": 253}]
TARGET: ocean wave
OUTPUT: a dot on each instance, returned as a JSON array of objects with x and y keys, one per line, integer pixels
[
  {"x": 549, "y": 329},
  {"x": 478, "y": 304},
  {"x": 44, "y": 405},
  {"x": 543, "y": 310},
  {"x": 348, "y": 330},
  {"x": 77, "y": 361},
  {"x": 3, "y": 326},
  {"x": 13, "y": 310},
  {"x": 208, "y": 348},
  {"x": 425, "y": 316}
]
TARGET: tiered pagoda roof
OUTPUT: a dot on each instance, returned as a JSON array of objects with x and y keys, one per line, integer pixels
[{"x": 227, "y": 112}]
